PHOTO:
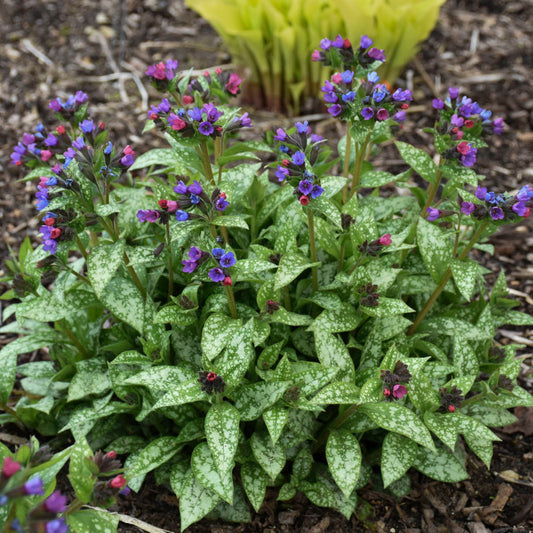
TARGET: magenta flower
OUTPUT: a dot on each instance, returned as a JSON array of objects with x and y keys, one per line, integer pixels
[
  {"x": 56, "y": 502},
  {"x": 467, "y": 208},
  {"x": 433, "y": 214},
  {"x": 385, "y": 240},
  {"x": 233, "y": 83}
]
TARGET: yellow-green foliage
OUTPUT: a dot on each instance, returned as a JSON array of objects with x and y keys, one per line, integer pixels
[{"x": 274, "y": 38}]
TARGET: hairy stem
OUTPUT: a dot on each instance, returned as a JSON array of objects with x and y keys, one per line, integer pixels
[
  {"x": 231, "y": 300},
  {"x": 312, "y": 244},
  {"x": 347, "y": 155},
  {"x": 170, "y": 265}
]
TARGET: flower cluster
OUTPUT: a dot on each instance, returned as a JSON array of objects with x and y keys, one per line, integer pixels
[
  {"x": 226, "y": 81},
  {"x": 162, "y": 73},
  {"x": 371, "y": 298},
  {"x": 68, "y": 109},
  {"x": 224, "y": 261},
  {"x": 44, "y": 516},
  {"x": 37, "y": 146},
  {"x": 461, "y": 123},
  {"x": 499, "y": 206},
  {"x": 394, "y": 382},
  {"x": 211, "y": 382},
  {"x": 450, "y": 399},
  {"x": 339, "y": 52},
  {"x": 294, "y": 162},
  {"x": 374, "y": 247}
]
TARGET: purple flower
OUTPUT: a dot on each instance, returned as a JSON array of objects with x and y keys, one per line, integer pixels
[
  {"x": 330, "y": 97},
  {"x": 380, "y": 92},
  {"x": 227, "y": 260},
  {"x": 335, "y": 110},
  {"x": 485, "y": 114},
  {"x": 328, "y": 87},
  {"x": 468, "y": 208},
  {"x": 366, "y": 42},
  {"x": 298, "y": 158},
  {"x": 213, "y": 114},
  {"x": 282, "y": 173},
  {"x": 316, "y": 138},
  {"x": 520, "y": 208},
  {"x": 195, "y": 188},
  {"x": 348, "y": 97},
  {"x": 305, "y": 187},
  {"x": 51, "y": 140},
  {"x": 147, "y": 215},
  {"x": 437, "y": 103},
  {"x": 317, "y": 191},
  {"x": 195, "y": 114},
  {"x": 195, "y": 199},
  {"x": 127, "y": 160},
  {"x": 280, "y": 135},
  {"x": 453, "y": 92},
  {"x": 34, "y": 486},
  {"x": 367, "y": 113},
  {"x": 55, "y": 105},
  {"x": 496, "y": 213},
  {"x": 373, "y": 77},
  {"x": 164, "y": 106},
  {"x": 180, "y": 188},
  {"x": 400, "y": 116},
  {"x": 433, "y": 214},
  {"x": 216, "y": 275},
  {"x": 301, "y": 127},
  {"x": 457, "y": 121},
  {"x": 497, "y": 125},
  {"x": 402, "y": 96},
  {"x": 80, "y": 97},
  {"x": 58, "y": 525},
  {"x": 525, "y": 193},
  {"x": 50, "y": 245},
  {"x": 382, "y": 114},
  {"x": 189, "y": 266},
  {"x": 56, "y": 502},
  {"x": 217, "y": 253},
  {"x": 206, "y": 128},
  {"x": 181, "y": 215},
  {"x": 109, "y": 148},
  {"x": 325, "y": 44},
  {"x": 377, "y": 54},
  {"x": 221, "y": 204},
  {"x": 469, "y": 158},
  {"x": 338, "y": 42},
  {"x": 347, "y": 76},
  {"x": 481, "y": 192},
  {"x": 195, "y": 253},
  {"x": 87, "y": 126},
  {"x": 246, "y": 121},
  {"x": 79, "y": 143}
]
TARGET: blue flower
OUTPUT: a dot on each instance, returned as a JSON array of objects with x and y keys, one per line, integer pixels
[
  {"x": 347, "y": 76},
  {"x": 218, "y": 252},
  {"x": 298, "y": 158},
  {"x": 301, "y": 127},
  {"x": 181, "y": 215},
  {"x": 227, "y": 260}
]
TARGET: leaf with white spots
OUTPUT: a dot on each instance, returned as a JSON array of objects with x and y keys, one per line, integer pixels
[
  {"x": 230, "y": 221},
  {"x": 251, "y": 400},
  {"x": 465, "y": 359},
  {"x": 102, "y": 264},
  {"x": 217, "y": 331},
  {"x": 282, "y": 316},
  {"x": 376, "y": 178},
  {"x": 442, "y": 425},
  {"x": 418, "y": 160},
  {"x": 247, "y": 269},
  {"x": 222, "y": 433},
  {"x": 178, "y": 474},
  {"x": 124, "y": 300},
  {"x": 328, "y": 208},
  {"x": 440, "y": 465},
  {"x": 254, "y": 481},
  {"x": 162, "y": 377},
  {"x": 158, "y": 452},
  {"x": 186, "y": 392},
  {"x": 275, "y": 420},
  {"x": 387, "y": 307},
  {"x": 311, "y": 377},
  {"x": 291, "y": 265},
  {"x": 92, "y": 521},
  {"x": 399, "y": 419},
  {"x": 205, "y": 471},
  {"x": 435, "y": 247},
  {"x": 465, "y": 274},
  {"x": 332, "y": 352},
  {"x": 338, "y": 393},
  {"x": 91, "y": 377},
  {"x": 491, "y": 416},
  {"x": 344, "y": 318},
  {"x": 270, "y": 456},
  {"x": 397, "y": 456},
  {"x": 175, "y": 315},
  {"x": 80, "y": 475},
  {"x": 196, "y": 501},
  {"x": 344, "y": 460}
]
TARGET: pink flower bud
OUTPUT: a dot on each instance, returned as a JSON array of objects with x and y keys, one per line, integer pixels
[
  {"x": 10, "y": 467},
  {"x": 118, "y": 482},
  {"x": 111, "y": 455},
  {"x": 385, "y": 240}
]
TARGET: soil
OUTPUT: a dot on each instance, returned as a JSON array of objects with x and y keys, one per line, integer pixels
[{"x": 53, "y": 48}]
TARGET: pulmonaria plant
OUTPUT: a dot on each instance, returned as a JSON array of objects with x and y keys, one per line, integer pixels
[{"x": 235, "y": 316}]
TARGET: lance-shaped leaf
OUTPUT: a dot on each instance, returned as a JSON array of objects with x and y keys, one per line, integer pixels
[
  {"x": 86, "y": 520},
  {"x": 440, "y": 465},
  {"x": 186, "y": 392},
  {"x": 275, "y": 420},
  {"x": 418, "y": 160},
  {"x": 102, "y": 264},
  {"x": 292, "y": 264},
  {"x": 465, "y": 274},
  {"x": 344, "y": 318},
  {"x": 344, "y": 460},
  {"x": 338, "y": 393},
  {"x": 80, "y": 475},
  {"x": 158, "y": 452},
  {"x": 254, "y": 481},
  {"x": 397, "y": 456},
  {"x": 332, "y": 352},
  {"x": 270, "y": 456},
  {"x": 217, "y": 332},
  {"x": 435, "y": 247},
  {"x": 222, "y": 433},
  {"x": 196, "y": 501},
  {"x": 387, "y": 307},
  {"x": 251, "y": 400},
  {"x": 124, "y": 300}
]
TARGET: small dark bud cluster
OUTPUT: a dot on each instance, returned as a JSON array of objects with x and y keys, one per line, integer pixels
[
  {"x": 211, "y": 382},
  {"x": 450, "y": 399},
  {"x": 371, "y": 295}
]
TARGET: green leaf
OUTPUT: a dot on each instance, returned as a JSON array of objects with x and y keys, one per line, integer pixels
[
  {"x": 230, "y": 221},
  {"x": 166, "y": 157},
  {"x": 282, "y": 316},
  {"x": 92, "y": 521},
  {"x": 286, "y": 492},
  {"x": 332, "y": 352},
  {"x": 440, "y": 465},
  {"x": 124, "y": 300},
  {"x": 338, "y": 320},
  {"x": 490, "y": 416},
  {"x": 464, "y": 358},
  {"x": 435, "y": 247},
  {"x": 217, "y": 332},
  {"x": 222, "y": 433},
  {"x": 80, "y": 476},
  {"x": 163, "y": 377},
  {"x": 175, "y": 315},
  {"x": 399, "y": 419},
  {"x": 443, "y": 426},
  {"x": 292, "y": 264},
  {"x": 344, "y": 460},
  {"x": 185, "y": 392},
  {"x": 270, "y": 456},
  {"x": 254, "y": 481},
  {"x": 102, "y": 264},
  {"x": 465, "y": 274},
  {"x": 387, "y": 307},
  {"x": 251, "y": 400},
  {"x": 196, "y": 501},
  {"x": 158, "y": 452},
  {"x": 247, "y": 269},
  {"x": 91, "y": 378},
  {"x": 275, "y": 420},
  {"x": 376, "y": 178},
  {"x": 337, "y": 393},
  {"x": 418, "y": 160},
  {"x": 397, "y": 456},
  {"x": 205, "y": 471}
]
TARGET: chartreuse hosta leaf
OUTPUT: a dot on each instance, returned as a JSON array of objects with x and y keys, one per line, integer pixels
[
  {"x": 435, "y": 247},
  {"x": 222, "y": 433},
  {"x": 441, "y": 465},
  {"x": 196, "y": 501},
  {"x": 156, "y": 453},
  {"x": 254, "y": 481},
  {"x": 397, "y": 455},
  {"x": 418, "y": 160},
  {"x": 270, "y": 456},
  {"x": 251, "y": 400},
  {"x": 344, "y": 460},
  {"x": 205, "y": 471},
  {"x": 399, "y": 419},
  {"x": 92, "y": 521},
  {"x": 102, "y": 264}
]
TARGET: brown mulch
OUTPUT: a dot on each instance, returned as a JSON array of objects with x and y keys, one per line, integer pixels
[{"x": 53, "y": 48}]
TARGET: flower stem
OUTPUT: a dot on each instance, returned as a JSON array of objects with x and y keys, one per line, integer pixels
[
  {"x": 206, "y": 162},
  {"x": 231, "y": 300},
  {"x": 432, "y": 191},
  {"x": 323, "y": 437},
  {"x": 170, "y": 265},
  {"x": 81, "y": 247},
  {"x": 134, "y": 276},
  {"x": 447, "y": 275},
  {"x": 360, "y": 154},
  {"x": 312, "y": 244},
  {"x": 74, "y": 339},
  {"x": 347, "y": 155}
]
